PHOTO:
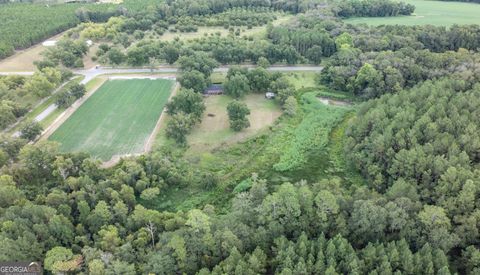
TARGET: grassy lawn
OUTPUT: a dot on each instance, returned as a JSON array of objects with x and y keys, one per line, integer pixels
[
  {"x": 302, "y": 79},
  {"x": 117, "y": 119},
  {"x": 437, "y": 13},
  {"x": 215, "y": 131},
  {"x": 218, "y": 77},
  {"x": 22, "y": 60}
]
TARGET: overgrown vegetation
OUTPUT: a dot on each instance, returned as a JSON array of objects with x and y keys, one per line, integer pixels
[{"x": 312, "y": 132}]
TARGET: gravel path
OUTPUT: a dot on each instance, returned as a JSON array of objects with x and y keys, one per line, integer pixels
[{"x": 50, "y": 109}]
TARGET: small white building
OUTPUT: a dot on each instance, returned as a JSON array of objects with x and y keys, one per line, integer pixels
[
  {"x": 49, "y": 43},
  {"x": 270, "y": 95}
]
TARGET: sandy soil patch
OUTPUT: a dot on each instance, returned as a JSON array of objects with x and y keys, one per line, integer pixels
[{"x": 22, "y": 60}]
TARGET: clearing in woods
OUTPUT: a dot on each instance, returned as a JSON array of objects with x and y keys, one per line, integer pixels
[
  {"x": 438, "y": 13},
  {"x": 117, "y": 119},
  {"x": 214, "y": 131}
]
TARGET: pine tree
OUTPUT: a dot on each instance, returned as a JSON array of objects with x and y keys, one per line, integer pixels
[
  {"x": 331, "y": 271},
  {"x": 300, "y": 267},
  {"x": 319, "y": 267}
]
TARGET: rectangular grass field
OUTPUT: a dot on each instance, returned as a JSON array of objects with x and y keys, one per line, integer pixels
[
  {"x": 117, "y": 119},
  {"x": 438, "y": 13}
]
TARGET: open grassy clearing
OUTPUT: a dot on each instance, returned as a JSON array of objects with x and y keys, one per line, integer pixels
[
  {"x": 302, "y": 79},
  {"x": 116, "y": 120},
  {"x": 214, "y": 131},
  {"x": 437, "y": 13}
]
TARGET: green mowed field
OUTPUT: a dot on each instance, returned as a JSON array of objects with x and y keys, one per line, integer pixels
[
  {"x": 437, "y": 13},
  {"x": 117, "y": 119}
]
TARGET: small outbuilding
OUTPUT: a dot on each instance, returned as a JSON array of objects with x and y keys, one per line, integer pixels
[
  {"x": 269, "y": 95},
  {"x": 214, "y": 89},
  {"x": 49, "y": 43}
]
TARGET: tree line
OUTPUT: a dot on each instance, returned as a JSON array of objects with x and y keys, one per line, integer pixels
[
  {"x": 371, "y": 8},
  {"x": 25, "y": 24},
  {"x": 373, "y": 74},
  {"x": 18, "y": 93}
]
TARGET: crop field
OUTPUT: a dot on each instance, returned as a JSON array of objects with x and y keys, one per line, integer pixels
[
  {"x": 117, "y": 119},
  {"x": 437, "y": 13}
]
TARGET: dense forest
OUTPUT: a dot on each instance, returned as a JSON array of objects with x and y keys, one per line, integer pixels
[
  {"x": 19, "y": 29},
  {"x": 387, "y": 183},
  {"x": 372, "y": 8}
]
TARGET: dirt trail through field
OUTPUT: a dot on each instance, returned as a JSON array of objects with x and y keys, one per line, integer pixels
[
  {"x": 333, "y": 102},
  {"x": 151, "y": 139}
]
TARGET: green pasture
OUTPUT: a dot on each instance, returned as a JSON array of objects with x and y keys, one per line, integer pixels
[
  {"x": 438, "y": 13},
  {"x": 116, "y": 120}
]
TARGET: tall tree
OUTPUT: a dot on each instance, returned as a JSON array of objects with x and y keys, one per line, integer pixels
[
  {"x": 188, "y": 102},
  {"x": 237, "y": 113},
  {"x": 237, "y": 86}
]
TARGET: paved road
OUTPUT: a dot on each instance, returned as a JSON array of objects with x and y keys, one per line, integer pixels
[
  {"x": 50, "y": 109},
  {"x": 16, "y": 73},
  {"x": 94, "y": 72}
]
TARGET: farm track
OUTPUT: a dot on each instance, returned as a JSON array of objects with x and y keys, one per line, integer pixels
[{"x": 151, "y": 138}]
